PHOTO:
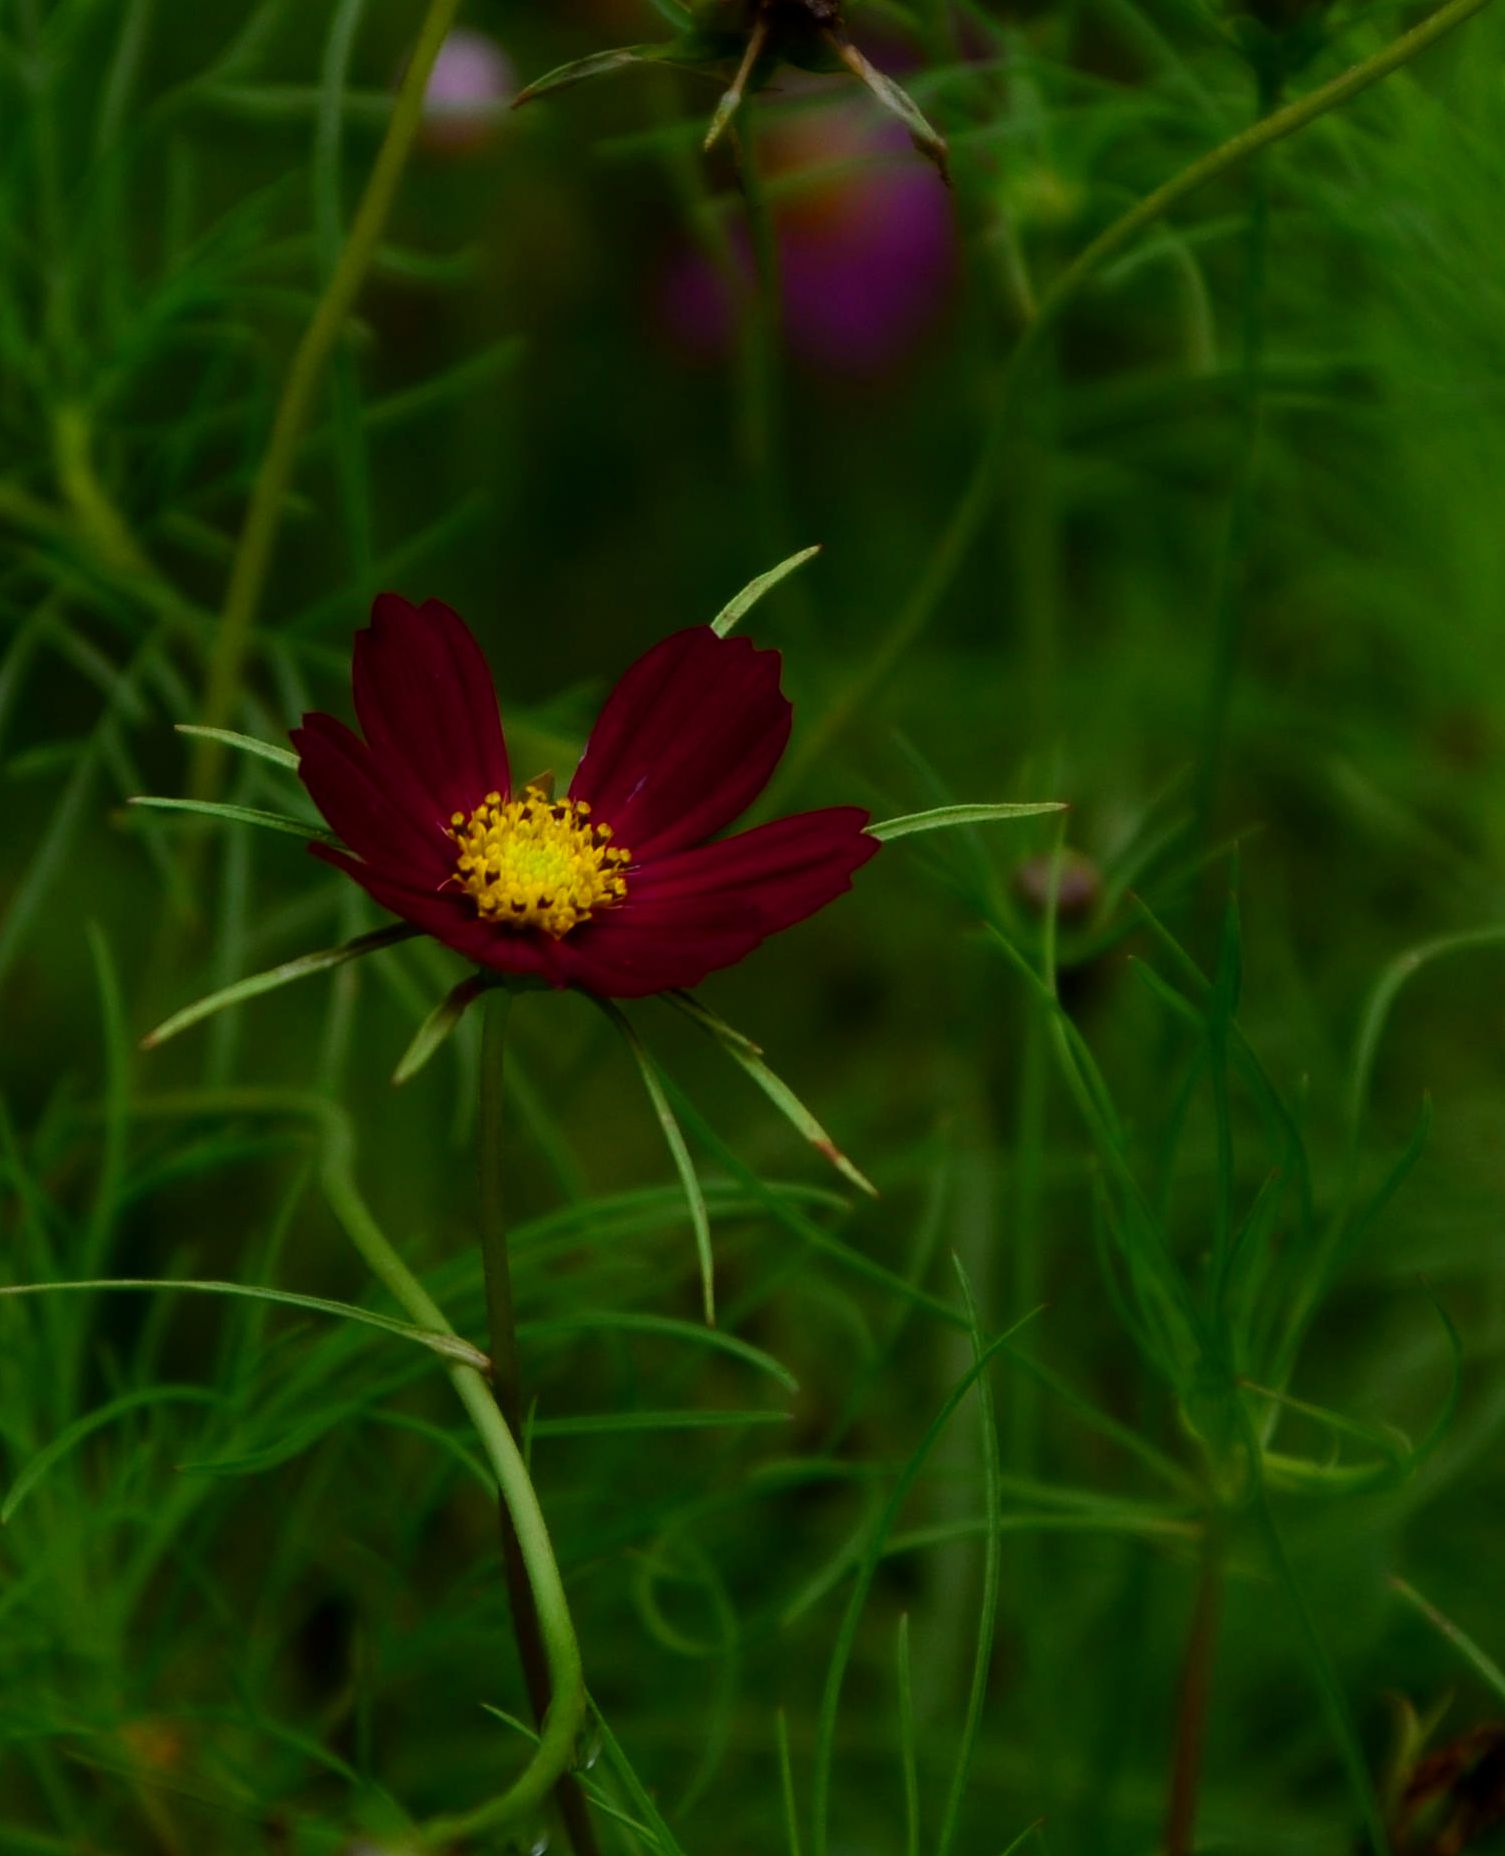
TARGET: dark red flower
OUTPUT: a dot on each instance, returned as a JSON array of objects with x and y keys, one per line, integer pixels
[{"x": 615, "y": 888}]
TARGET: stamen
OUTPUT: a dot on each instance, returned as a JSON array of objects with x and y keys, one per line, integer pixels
[{"x": 533, "y": 862}]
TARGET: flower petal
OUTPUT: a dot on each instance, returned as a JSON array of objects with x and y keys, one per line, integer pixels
[
  {"x": 375, "y": 808},
  {"x": 688, "y": 914},
  {"x": 685, "y": 742},
  {"x": 426, "y": 702}
]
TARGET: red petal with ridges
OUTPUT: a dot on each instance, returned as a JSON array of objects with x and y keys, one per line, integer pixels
[
  {"x": 699, "y": 910},
  {"x": 426, "y": 703},
  {"x": 381, "y": 817},
  {"x": 685, "y": 742}
]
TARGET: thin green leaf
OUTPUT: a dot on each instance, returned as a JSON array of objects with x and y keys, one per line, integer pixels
[
  {"x": 825, "y": 1730},
  {"x": 694, "y": 1195},
  {"x": 744, "y": 1052},
  {"x": 1319, "y": 1660},
  {"x": 637, "y": 1793},
  {"x": 908, "y": 1757},
  {"x": 987, "y": 1620},
  {"x": 273, "y": 977},
  {"x": 445, "y": 1016},
  {"x": 593, "y": 1321},
  {"x": 579, "y": 70},
  {"x": 448, "y": 1346},
  {"x": 85, "y": 1426},
  {"x": 617, "y": 1423},
  {"x": 1483, "y": 1665},
  {"x": 940, "y": 817},
  {"x": 1382, "y": 1000},
  {"x": 245, "y": 744},
  {"x": 786, "y": 1784},
  {"x": 743, "y": 603},
  {"x": 236, "y": 815}
]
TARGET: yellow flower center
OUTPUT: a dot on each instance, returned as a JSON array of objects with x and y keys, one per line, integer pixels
[{"x": 536, "y": 862}]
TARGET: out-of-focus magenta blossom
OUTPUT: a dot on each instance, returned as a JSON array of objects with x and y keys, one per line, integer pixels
[
  {"x": 866, "y": 247},
  {"x": 469, "y": 90}
]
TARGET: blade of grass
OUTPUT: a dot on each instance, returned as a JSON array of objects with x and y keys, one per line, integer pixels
[
  {"x": 675, "y": 1140},
  {"x": 744, "y": 1052},
  {"x": 258, "y": 983},
  {"x": 743, "y": 603},
  {"x": 244, "y": 744}
]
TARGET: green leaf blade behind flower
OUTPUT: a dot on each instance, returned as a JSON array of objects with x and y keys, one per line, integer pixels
[
  {"x": 236, "y": 815},
  {"x": 941, "y": 817},
  {"x": 738, "y": 607},
  {"x": 268, "y": 981},
  {"x": 744, "y": 1052},
  {"x": 437, "y": 1027},
  {"x": 245, "y": 744},
  {"x": 674, "y": 1137}
]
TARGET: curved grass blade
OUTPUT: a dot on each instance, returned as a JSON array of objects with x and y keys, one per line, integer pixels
[
  {"x": 1483, "y": 1665},
  {"x": 85, "y": 1426},
  {"x": 1382, "y": 999},
  {"x": 246, "y": 744},
  {"x": 273, "y": 977},
  {"x": 737, "y": 608},
  {"x": 675, "y": 1139},
  {"x": 448, "y": 1346},
  {"x": 938, "y": 818},
  {"x": 580, "y": 70},
  {"x": 613, "y": 1321},
  {"x": 743, "y": 1051}
]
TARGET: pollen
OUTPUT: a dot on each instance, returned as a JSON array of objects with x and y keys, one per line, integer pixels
[{"x": 537, "y": 862}]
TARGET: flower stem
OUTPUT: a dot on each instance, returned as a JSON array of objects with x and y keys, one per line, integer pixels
[
  {"x": 506, "y": 1389},
  {"x": 336, "y": 1139},
  {"x": 1195, "y": 1690},
  {"x": 1233, "y": 567},
  {"x": 253, "y": 553},
  {"x": 501, "y": 1319}
]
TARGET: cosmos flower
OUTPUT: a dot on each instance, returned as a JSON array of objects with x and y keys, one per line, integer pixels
[
  {"x": 748, "y": 41},
  {"x": 617, "y": 888}
]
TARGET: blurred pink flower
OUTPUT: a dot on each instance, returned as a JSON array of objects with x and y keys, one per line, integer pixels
[
  {"x": 866, "y": 249},
  {"x": 469, "y": 90}
]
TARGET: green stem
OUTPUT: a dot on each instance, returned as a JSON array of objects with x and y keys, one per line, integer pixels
[
  {"x": 555, "y": 1750},
  {"x": 258, "y": 537},
  {"x": 1233, "y": 570},
  {"x": 500, "y": 1316},
  {"x": 971, "y": 513},
  {"x": 1334, "y": 1701},
  {"x": 1195, "y": 1693},
  {"x": 506, "y": 1388}
]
